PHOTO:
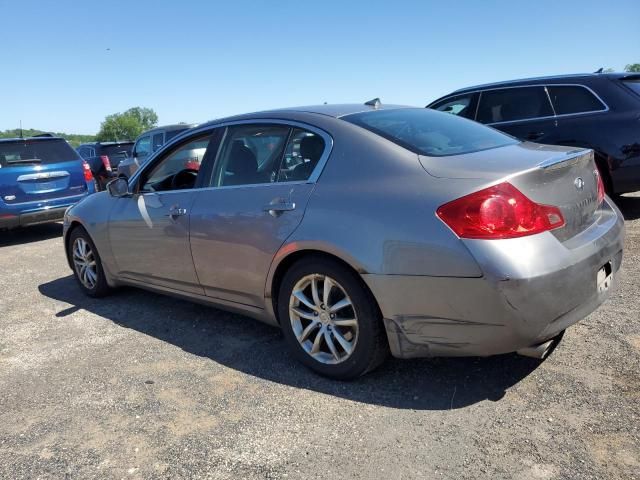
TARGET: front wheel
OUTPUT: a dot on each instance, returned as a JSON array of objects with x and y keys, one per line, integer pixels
[
  {"x": 330, "y": 320},
  {"x": 87, "y": 267}
]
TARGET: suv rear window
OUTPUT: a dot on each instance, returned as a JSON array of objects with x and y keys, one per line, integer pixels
[
  {"x": 429, "y": 132},
  {"x": 117, "y": 151},
  {"x": 35, "y": 152}
]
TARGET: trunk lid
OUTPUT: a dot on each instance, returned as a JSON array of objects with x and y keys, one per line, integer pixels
[
  {"x": 39, "y": 169},
  {"x": 550, "y": 175}
]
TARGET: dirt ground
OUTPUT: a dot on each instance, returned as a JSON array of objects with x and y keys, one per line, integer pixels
[{"x": 138, "y": 385}]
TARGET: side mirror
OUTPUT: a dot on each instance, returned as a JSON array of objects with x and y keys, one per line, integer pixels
[{"x": 118, "y": 187}]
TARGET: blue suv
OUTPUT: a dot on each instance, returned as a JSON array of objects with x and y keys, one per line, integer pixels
[{"x": 39, "y": 178}]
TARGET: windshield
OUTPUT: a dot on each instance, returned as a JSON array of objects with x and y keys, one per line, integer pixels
[
  {"x": 429, "y": 132},
  {"x": 38, "y": 152}
]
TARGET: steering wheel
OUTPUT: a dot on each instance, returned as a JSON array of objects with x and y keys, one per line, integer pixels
[{"x": 184, "y": 179}]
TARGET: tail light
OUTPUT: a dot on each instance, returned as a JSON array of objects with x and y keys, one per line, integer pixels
[
  {"x": 106, "y": 162},
  {"x": 88, "y": 176},
  {"x": 596, "y": 172},
  {"x": 500, "y": 211}
]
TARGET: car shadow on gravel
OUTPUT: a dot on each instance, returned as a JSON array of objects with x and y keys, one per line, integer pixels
[
  {"x": 629, "y": 206},
  {"x": 25, "y": 235},
  {"x": 259, "y": 350}
]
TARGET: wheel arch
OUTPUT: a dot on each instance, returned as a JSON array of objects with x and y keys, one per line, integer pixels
[{"x": 291, "y": 254}]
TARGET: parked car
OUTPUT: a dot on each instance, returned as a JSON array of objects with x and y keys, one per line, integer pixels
[
  {"x": 361, "y": 229},
  {"x": 147, "y": 143},
  {"x": 39, "y": 178},
  {"x": 104, "y": 158},
  {"x": 598, "y": 111}
]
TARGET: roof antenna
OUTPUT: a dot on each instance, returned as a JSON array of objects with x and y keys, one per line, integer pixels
[
  {"x": 375, "y": 103},
  {"x": 21, "y": 135},
  {"x": 599, "y": 70}
]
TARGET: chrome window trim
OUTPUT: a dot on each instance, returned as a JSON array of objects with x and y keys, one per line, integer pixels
[{"x": 313, "y": 178}]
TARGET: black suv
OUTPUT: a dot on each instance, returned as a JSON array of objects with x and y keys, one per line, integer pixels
[
  {"x": 103, "y": 159},
  {"x": 599, "y": 111}
]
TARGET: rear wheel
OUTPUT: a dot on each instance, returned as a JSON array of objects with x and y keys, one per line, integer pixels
[
  {"x": 87, "y": 266},
  {"x": 330, "y": 320}
]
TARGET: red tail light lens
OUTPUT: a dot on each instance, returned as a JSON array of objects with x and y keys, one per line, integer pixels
[
  {"x": 106, "y": 162},
  {"x": 600, "y": 186},
  {"x": 500, "y": 211},
  {"x": 88, "y": 176}
]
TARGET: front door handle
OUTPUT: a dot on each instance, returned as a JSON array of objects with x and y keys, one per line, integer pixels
[
  {"x": 176, "y": 211},
  {"x": 534, "y": 135},
  {"x": 278, "y": 208}
]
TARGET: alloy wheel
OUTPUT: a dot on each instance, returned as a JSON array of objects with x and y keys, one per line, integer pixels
[
  {"x": 85, "y": 263},
  {"x": 323, "y": 318}
]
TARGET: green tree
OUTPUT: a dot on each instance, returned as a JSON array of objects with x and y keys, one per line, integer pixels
[
  {"x": 127, "y": 125},
  {"x": 632, "y": 67}
]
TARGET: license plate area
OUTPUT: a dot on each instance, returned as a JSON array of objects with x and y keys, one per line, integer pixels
[{"x": 604, "y": 277}]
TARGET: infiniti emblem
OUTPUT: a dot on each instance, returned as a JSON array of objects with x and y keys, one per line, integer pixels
[{"x": 579, "y": 183}]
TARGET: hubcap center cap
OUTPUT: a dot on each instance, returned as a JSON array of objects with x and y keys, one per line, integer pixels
[{"x": 324, "y": 317}]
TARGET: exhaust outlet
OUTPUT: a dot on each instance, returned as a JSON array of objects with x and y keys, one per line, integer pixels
[{"x": 539, "y": 351}]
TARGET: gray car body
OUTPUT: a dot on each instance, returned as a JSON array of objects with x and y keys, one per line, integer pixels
[{"x": 371, "y": 204}]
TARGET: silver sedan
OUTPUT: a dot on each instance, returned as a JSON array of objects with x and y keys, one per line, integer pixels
[{"x": 362, "y": 230}]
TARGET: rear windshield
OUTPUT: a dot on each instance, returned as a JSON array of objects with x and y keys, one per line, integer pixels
[
  {"x": 35, "y": 152},
  {"x": 429, "y": 132},
  {"x": 633, "y": 84},
  {"x": 117, "y": 151}
]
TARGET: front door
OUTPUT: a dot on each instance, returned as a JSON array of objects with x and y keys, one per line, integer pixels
[
  {"x": 149, "y": 230},
  {"x": 256, "y": 198}
]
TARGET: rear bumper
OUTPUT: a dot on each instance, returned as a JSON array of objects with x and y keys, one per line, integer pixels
[
  {"x": 23, "y": 215},
  {"x": 532, "y": 288}
]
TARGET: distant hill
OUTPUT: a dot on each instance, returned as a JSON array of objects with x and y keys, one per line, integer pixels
[{"x": 72, "y": 138}]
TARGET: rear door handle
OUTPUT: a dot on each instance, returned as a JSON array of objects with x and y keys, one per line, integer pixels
[
  {"x": 176, "y": 211},
  {"x": 276, "y": 209},
  {"x": 534, "y": 135}
]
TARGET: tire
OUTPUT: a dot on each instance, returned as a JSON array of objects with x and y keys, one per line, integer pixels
[
  {"x": 94, "y": 285},
  {"x": 351, "y": 315}
]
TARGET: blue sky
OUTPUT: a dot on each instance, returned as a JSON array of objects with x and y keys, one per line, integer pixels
[{"x": 65, "y": 65}]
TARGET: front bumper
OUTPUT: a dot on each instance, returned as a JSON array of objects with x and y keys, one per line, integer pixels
[{"x": 532, "y": 288}]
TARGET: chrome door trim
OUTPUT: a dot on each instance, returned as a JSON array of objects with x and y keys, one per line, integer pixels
[{"x": 42, "y": 176}]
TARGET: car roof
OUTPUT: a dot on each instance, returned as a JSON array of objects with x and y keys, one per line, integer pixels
[
  {"x": 333, "y": 110},
  {"x": 537, "y": 80},
  {"x": 119, "y": 142},
  {"x": 31, "y": 139},
  {"x": 169, "y": 128}
]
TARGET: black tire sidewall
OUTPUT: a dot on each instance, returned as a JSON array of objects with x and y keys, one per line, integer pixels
[{"x": 366, "y": 353}]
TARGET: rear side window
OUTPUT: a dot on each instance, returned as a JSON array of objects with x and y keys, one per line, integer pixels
[
  {"x": 574, "y": 99},
  {"x": 633, "y": 84},
  {"x": 428, "y": 132},
  {"x": 36, "y": 152},
  {"x": 512, "y": 104}
]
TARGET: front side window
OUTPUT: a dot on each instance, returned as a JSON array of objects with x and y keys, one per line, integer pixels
[
  {"x": 573, "y": 99},
  {"x": 513, "y": 104},
  {"x": 428, "y": 132},
  {"x": 177, "y": 169},
  {"x": 460, "y": 105},
  {"x": 250, "y": 154},
  {"x": 143, "y": 147}
]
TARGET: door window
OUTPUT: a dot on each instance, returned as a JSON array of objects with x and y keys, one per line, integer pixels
[
  {"x": 512, "y": 104},
  {"x": 250, "y": 154},
  {"x": 574, "y": 99},
  {"x": 143, "y": 147},
  {"x": 158, "y": 141},
  {"x": 460, "y": 105},
  {"x": 301, "y": 156},
  {"x": 177, "y": 169}
]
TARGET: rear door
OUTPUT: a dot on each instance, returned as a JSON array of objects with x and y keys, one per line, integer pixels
[
  {"x": 524, "y": 112},
  {"x": 256, "y": 197},
  {"x": 39, "y": 169}
]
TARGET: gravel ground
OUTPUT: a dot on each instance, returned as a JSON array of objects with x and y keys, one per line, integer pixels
[{"x": 139, "y": 385}]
